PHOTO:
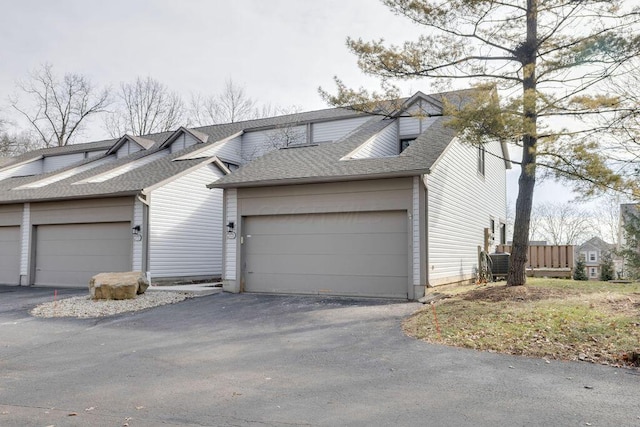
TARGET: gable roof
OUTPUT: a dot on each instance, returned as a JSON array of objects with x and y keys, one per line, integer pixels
[{"x": 142, "y": 142}]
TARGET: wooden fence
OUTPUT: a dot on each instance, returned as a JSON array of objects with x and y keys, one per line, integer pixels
[{"x": 547, "y": 260}]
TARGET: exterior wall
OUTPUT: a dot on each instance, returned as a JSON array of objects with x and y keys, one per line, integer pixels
[
  {"x": 228, "y": 150},
  {"x": 258, "y": 143},
  {"x": 25, "y": 244},
  {"x": 231, "y": 239},
  {"x": 385, "y": 143},
  {"x": 336, "y": 129},
  {"x": 31, "y": 168},
  {"x": 127, "y": 148},
  {"x": 461, "y": 203},
  {"x": 68, "y": 173},
  {"x": 185, "y": 227},
  {"x": 137, "y": 245},
  {"x": 352, "y": 196},
  {"x": 183, "y": 141},
  {"x": 413, "y": 126},
  {"x": 57, "y": 162}
]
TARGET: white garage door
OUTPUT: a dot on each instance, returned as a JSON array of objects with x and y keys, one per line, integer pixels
[
  {"x": 356, "y": 253},
  {"x": 69, "y": 254},
  {"x": 9, "y": 255}
]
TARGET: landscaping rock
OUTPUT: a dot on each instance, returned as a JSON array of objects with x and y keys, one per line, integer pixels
[{"x": 118, "y": 286}]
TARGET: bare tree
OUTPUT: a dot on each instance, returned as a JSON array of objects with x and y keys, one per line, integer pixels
[
  {"x": 607, "y": 215},
  {"x": 232, "y": 105},
  {"x": 58, "y": 108},
  {"x": 562, "y": 223},
  {"x": 145, "y": 106}
]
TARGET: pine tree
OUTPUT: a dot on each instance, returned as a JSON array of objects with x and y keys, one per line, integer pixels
[
  {"x": 606, "y": 267},
  {"x": 580, "y": 272}
]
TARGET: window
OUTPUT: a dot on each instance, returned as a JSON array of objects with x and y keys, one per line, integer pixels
[
  {"x": 583, "y": 256},
  {"x": 481, "y": 155},
  {"x": 503, "y": 233},
  {"x": 592, "y": 256},
  {"x": 592, "y": 272},
  {"x": 405, "y": 142}
]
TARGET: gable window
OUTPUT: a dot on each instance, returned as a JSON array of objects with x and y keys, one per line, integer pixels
[
  {"x": 481, "y": 159},
  {"x": 405, "y": 142}
]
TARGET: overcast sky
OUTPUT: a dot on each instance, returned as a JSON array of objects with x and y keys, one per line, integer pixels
[{"x": 280, "y": 51}]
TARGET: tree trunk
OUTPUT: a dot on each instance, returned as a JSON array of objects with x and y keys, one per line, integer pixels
[{"x": 526, "y": 183}]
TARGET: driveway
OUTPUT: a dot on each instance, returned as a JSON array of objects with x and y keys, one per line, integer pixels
[{"x": 256, "y": 360}]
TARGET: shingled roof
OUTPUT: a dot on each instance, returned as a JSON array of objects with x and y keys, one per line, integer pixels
[{"x": 17, "y": 189}]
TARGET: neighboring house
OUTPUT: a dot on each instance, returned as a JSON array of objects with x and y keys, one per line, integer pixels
[
  {"x": 591, "y": 252},
  {"x": 399, "y": 204},
  {"x": 136, "y": 203}
]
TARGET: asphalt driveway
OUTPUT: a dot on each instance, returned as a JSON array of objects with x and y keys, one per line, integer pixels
[{"x": 252, "y": 360}]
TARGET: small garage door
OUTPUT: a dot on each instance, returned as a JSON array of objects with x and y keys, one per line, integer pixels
[
  {"x": 9, "y": 255},
  {"x": 69, "y": 254},
  {"x": 358, "y": 253}
]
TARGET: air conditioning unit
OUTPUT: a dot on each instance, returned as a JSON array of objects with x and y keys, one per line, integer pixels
[{"x": 500, "y": 264}]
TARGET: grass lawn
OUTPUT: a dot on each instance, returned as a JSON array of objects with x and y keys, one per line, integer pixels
[{"x": 550, "y": 318}]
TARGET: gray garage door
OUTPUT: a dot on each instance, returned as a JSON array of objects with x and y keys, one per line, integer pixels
[
  {"x": 69, "y": 254},
  {"x": 9, "y": 255},
  {"x": 357, "y": 253}
]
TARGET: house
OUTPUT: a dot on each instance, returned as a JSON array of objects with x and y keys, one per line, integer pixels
[
  {"x": 592, "y": 252},
  {"x": 396, "y": 205},
  {"x": 136, "y": 203}
]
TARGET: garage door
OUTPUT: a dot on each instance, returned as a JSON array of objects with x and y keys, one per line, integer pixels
[
  {"x": 69, "y": 254},
  {"x": 9, "y": 255},
  {"x": 359, "y": 253}
]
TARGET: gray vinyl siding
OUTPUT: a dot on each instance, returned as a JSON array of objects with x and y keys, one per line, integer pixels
[
  {"x": 127, "y": 148},
  {"x": 336, "y": 129},
  {"x": 461, "y": 203},
  {"x": 384, "y": 144},
  {"x": 57, "y": 162},
  {"x": 230, "y": 150},
  {"x": 185, "y": 226},
  {"x": 258, "y": 143},
  {"x": 231, "y": 241},
  {"x": 183, "y": 141},
  {"x": 412, "y": 126},
  {"x": 9, "y": 255},
  {"x": 136, "y": 252},
  {"x": 10, "y": 246},
  {"x": 31, "y": 168},
  {"x": 68, "y": 173},
  {"x": 25, "y": 243}
]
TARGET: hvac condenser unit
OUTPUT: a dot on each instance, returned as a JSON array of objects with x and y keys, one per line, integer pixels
[{"x": 499, "y": 264}]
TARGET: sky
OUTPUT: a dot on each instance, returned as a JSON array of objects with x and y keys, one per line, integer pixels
[{"x": 279, "y": 51}]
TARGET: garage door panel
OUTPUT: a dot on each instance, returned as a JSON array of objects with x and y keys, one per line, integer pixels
[
  {"x": 355, "y": 265},
  {"x": 334, "y": 285},
  {"x": 9, "y": 255},
  {"x": 360, "y": 253},
  {"x": 349, "y": 222},
  {"x": 382, "y": 243},
  {"x": 70, "y": 254}
]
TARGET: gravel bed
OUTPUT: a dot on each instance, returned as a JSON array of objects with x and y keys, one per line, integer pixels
[{"x": 85, "y": 307}]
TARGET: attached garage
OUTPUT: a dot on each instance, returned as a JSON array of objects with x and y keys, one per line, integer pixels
[
  {"x": 69, "y": 254},
  {"x": 9, "y": 255},
  {"x": 347, "y": 253}
]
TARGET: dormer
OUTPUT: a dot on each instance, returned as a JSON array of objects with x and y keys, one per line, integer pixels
[
  {"x": 183, "y": 138},
  {"x": 129, "y": 144},
  {"x": 418, "y": 113}
]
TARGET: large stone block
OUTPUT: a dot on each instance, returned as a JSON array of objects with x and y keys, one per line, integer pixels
[{"x": 124, "y": 285}]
